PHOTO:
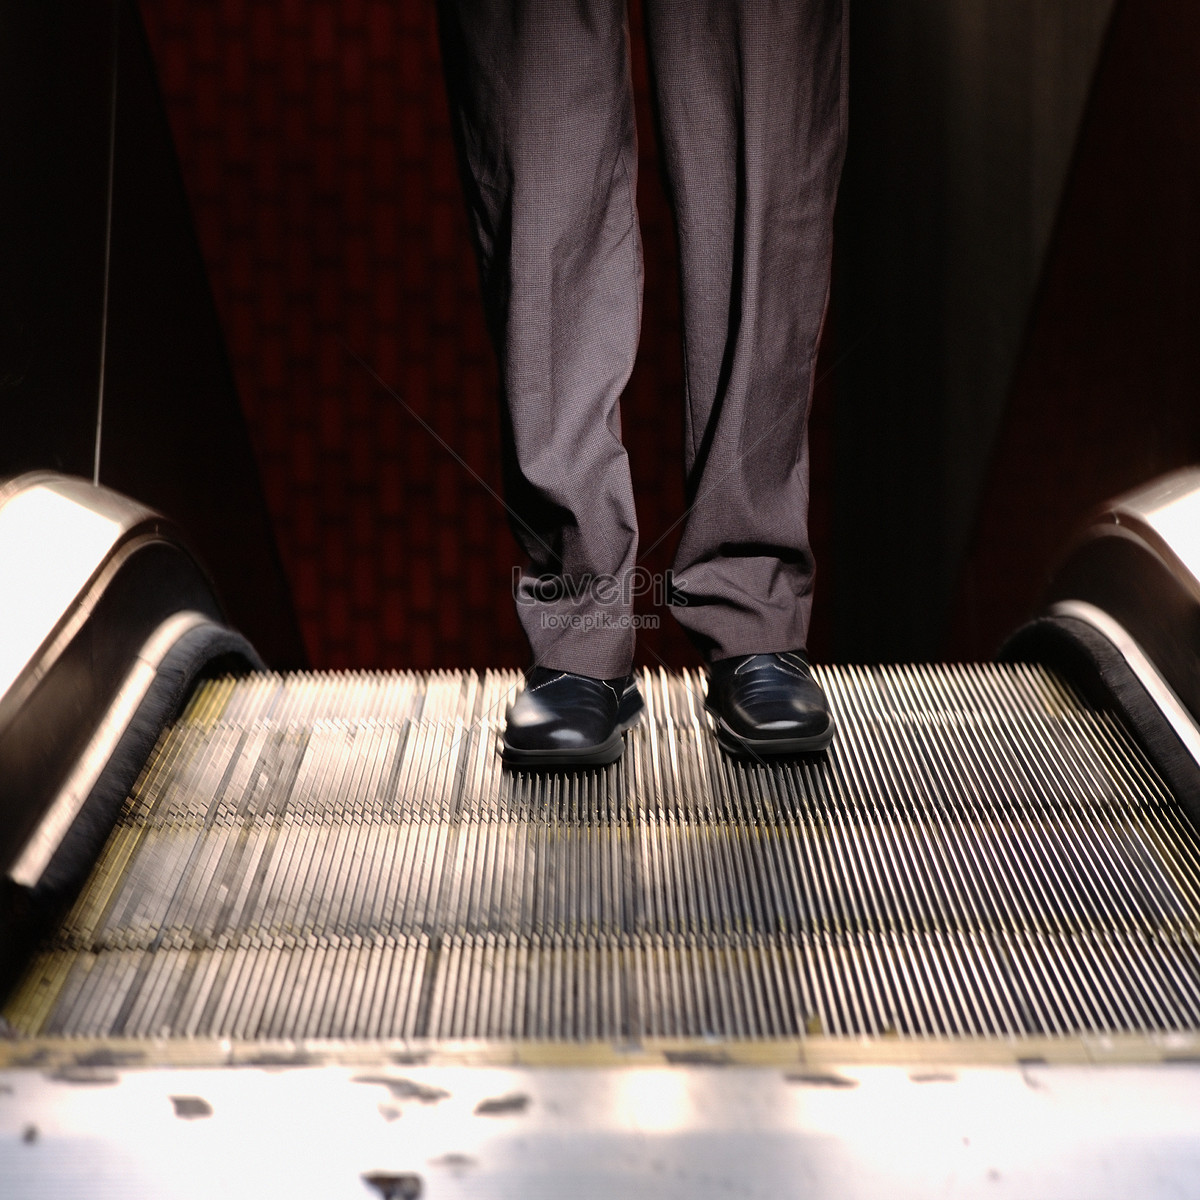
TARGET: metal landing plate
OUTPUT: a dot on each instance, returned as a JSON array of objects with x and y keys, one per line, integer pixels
[{"x": 664, "y": 1133}]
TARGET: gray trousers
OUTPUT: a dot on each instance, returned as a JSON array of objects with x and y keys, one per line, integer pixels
[{"x": 751, "y": 103}]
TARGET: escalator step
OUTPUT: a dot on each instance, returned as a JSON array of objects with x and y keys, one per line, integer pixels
[{"x": 342, "y": 856}]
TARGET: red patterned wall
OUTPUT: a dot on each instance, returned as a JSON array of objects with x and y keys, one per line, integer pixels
[{"x": 315, "y": 146}]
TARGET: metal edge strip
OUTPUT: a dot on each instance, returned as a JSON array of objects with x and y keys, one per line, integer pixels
[{"x": 48, "y": 1053}]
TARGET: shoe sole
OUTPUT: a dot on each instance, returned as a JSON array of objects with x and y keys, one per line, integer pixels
[
  {"x": 744, "y": 747},
  {"x": 608, "y": 751}
]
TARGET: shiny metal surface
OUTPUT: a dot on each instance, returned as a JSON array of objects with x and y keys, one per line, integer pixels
[
  {"x": 88, "y": 579},
  {"x": 1166, "y": 513},
  {"x": 316, "y": 857},
  {"x": 1138, "y": 563},
  {"x": 847, "y": 1132},
  {"x": 55, "y": 534}
]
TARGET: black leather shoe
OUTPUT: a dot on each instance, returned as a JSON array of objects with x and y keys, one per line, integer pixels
[
  {"x": 768, "y": 704},
  {"x": 565, "y": 720}
]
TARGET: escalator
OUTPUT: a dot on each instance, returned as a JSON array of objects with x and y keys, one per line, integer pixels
[{"x": 994, "y": 862}]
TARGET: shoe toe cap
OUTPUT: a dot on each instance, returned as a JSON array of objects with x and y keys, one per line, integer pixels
[
  {"x": 771, "y": 699},
  {"x": 551, "y": 736},
  {"x": 778, "y": 722},
  {"x": 564, "y": 715}
]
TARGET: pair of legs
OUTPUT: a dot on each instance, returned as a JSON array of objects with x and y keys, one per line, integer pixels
[{"x": 751, "y": 106}]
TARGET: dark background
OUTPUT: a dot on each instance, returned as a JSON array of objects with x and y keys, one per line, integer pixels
[{"x": 1015, "y": 334}]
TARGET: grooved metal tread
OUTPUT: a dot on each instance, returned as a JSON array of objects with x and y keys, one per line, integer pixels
[{"x": 342, "y": 856}]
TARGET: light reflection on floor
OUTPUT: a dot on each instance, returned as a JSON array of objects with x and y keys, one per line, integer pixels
[{"x": 688, "y": 1132}]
